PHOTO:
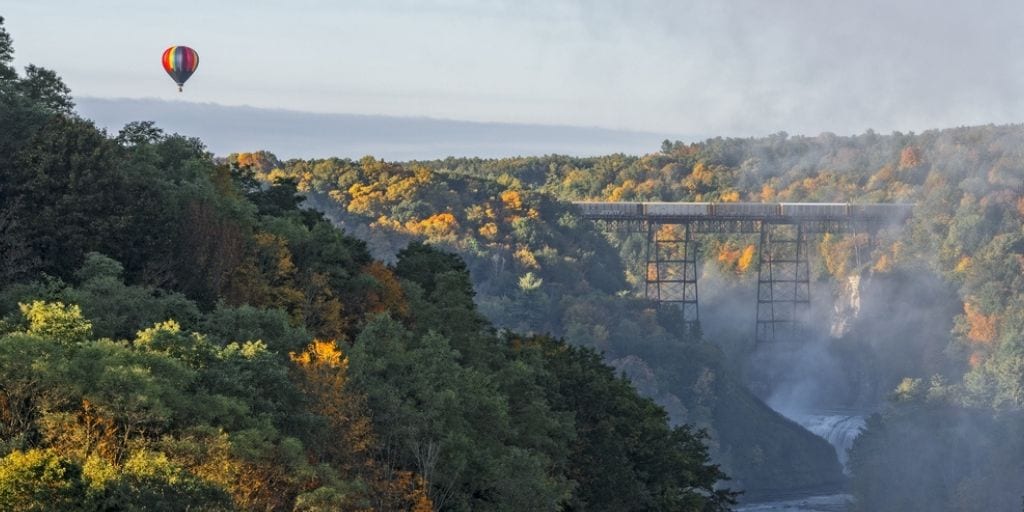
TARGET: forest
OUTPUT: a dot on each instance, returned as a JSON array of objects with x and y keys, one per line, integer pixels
[
  {"x": 935, "y": 351},
  {"x": 186, "y": 332},
  {"x": 177, "y": 335}
]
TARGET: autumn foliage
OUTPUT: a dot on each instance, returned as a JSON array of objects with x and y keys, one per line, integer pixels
[{"x": 981, "y": 328}]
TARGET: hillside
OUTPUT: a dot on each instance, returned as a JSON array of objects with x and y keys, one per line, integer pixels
[
  {"x": 936, "y": 345},
  {"x": 938, "y": 331},
  {"x": 176, "y": 336},
  {"x": 538, "y": 267}
]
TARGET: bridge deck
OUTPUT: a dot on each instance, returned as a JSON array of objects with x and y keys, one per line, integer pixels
[{"x": 770, "y": 212}]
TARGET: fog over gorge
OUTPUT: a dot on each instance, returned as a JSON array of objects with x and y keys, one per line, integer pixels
[{"x": 293, "y": 134}]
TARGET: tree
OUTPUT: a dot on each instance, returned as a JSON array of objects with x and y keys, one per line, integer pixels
[
  {"x": 31, "y": 370},
  {"x": 56, "y": 321},
  {"x": 40, "y": 480},
  {"x": 626, "y": 457},
  {"x": 139, "y": 132},
  {"x": 149, "y": 481},
  {"x": 44, "y": 88},
  {"x": 448, "y": 423},
  {"x": 7, "y": 71},
  {"x": 323, "y": 376}
]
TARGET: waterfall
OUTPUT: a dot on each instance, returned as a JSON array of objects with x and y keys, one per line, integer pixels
[
  {"x": 846, "y": 306},
  {"x": 838, "y": 429}
]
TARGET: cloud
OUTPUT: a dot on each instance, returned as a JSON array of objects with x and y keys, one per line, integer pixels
[{"x": 706, "y": 67}]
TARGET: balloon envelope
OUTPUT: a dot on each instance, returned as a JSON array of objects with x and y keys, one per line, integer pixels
[{"x": 180, "y": 62}]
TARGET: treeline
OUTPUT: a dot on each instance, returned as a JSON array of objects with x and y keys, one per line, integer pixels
[{"x": 176, "y": 335}]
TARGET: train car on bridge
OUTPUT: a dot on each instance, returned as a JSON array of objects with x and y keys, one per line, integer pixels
[
  {"x": 681, "y": 211},
  {"x": 603, "y": 210},
  {"x": 676, "y": 210},
  {"x": 744, "y": 210},
  {"x": 815, "y": 210},
  {"x": 896, "y": 212}
]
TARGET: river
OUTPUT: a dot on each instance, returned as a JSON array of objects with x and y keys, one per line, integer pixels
[
  {"x": 822, "y": 503},
  {"x": 839, "y": 428}
]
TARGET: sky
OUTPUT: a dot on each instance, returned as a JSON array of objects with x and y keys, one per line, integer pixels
[{"x": 700, "y": 68}]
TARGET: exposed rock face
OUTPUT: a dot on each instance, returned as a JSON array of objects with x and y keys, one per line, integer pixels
[{"x": 846, "y": 307}]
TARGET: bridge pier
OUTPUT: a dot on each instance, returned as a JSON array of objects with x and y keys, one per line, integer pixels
[
  {"x": 671, "y": 272},
  {"x": 783, "y": 282}
]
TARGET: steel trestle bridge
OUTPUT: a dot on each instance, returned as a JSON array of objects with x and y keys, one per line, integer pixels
[{"x": 783, "y": 276}]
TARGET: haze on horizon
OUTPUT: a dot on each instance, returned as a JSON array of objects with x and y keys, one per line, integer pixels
[{"x": 702, "y": 68}]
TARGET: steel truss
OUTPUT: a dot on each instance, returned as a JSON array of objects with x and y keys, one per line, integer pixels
[
  {"x": 671, "y": 272},
  {"x": 783, "y": 282}
]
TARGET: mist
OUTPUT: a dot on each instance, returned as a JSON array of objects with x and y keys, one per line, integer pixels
[{"x": 294, "y": 134}]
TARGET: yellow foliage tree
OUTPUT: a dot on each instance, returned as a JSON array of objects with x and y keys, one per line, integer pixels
[
  {"x": 489, "y": 230},
  {"x": 365, "y": 199},
  {"x": 435, "y": 226},
  {"x": 512, "y": 199},
  {"x": 746, "y": 258},
  {"x": 620, "y": 192},
  {"x": 730, "y": 197},
  {"x": 323, "y": 376},
  {"x": 842, "y": 254},
  {"x": 963, "y": 265},
  {"x": 883, "y": 264},
  {"x": 525, "y": 257},
  {"x": 728, "y": 254},
  {"x": 701, "y": 173}
]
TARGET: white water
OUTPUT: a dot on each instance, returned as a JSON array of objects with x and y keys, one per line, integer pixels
[{"x": 838, "y": 429}]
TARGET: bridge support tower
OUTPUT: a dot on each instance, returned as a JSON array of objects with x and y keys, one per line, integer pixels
[
  {"x": 671, "y": 278},
  {"x": 783, "y": 283}
]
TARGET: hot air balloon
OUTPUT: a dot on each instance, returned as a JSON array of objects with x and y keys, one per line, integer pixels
[{"x": 180, "y": 62}]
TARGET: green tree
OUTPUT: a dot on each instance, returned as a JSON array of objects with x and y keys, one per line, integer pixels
[
  {"x": 40, "y": 480},
  {"x": 448, "y": 423},
  {"x": 43, "y": 87},
  {"x": 625, "y": 457},
  {"x": 7, "y": 72}
]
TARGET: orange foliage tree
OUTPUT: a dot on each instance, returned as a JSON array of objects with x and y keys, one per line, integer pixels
[
  {"x": 322, "y": 374},
  {"x": 387, "y": 295},
  {"x": 910, "y": 157},
  {"x": 981, "y": 328}
]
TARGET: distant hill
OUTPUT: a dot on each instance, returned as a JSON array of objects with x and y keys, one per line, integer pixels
[{"x": 296, "y": 134}]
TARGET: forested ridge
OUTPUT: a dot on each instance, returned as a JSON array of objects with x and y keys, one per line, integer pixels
[
  {"x": 939, "y": 348},
  {"x": 538, "y": 267},
  {"x": 184, "y": 331},
  {"x": 177, "y": 335}
]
